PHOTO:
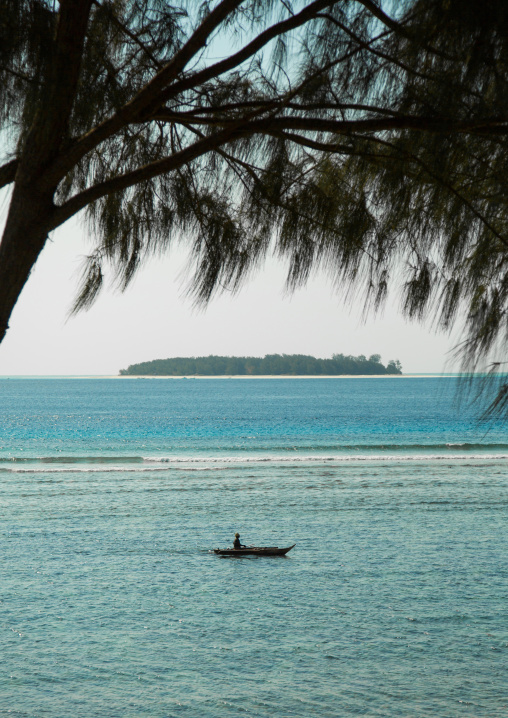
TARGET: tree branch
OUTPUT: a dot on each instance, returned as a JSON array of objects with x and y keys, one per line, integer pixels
[
  {"x": 19, "y": 75},
  {"x": 268, "y": 105},
  {"x": 280, "y": 28},
  {"x": 152, "y": 92},
  {"x": 334, "y": 147},
  {"x": 400, "y": 29},
  {"x": 322, "y": 124},
  {"x": 367, "y": 46},
  {"x": 154, "y": 169},
  {"x": 129, "y": 34},
  {"x": 146, "y": 95},
  {"x": 247, "y": 127}
]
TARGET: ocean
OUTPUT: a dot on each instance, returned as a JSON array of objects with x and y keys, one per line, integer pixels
[{"x": 113, "y": 493}]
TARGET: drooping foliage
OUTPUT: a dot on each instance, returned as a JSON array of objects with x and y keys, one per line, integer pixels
[{"x": 365, "y": 137}]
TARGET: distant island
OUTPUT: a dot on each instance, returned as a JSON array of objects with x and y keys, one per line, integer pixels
[{"x": 270, "y": 365}]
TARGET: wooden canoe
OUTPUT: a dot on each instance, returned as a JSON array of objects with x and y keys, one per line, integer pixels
[{"x": 254, "y": 551}]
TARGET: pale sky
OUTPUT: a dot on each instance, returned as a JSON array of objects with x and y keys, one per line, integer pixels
[{"x": 154, "y": 319}]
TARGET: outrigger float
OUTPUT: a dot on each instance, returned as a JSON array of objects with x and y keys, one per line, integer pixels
[{"x": 254, "y": 551}]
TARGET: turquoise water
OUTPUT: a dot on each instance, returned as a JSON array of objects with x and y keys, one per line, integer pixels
[{"x": 113, "y": 492}]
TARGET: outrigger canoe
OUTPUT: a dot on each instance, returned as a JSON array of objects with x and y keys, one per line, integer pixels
[{"x": 254, "y": 551}]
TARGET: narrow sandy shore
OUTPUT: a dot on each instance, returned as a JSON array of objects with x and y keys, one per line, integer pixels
[
  {"x": 231, "y": 376},
  {"x": 283, "y": 376}
]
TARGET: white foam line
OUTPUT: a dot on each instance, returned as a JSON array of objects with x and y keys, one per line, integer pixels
[
  {"x": 215, "y": 464},
  {"x": 320, "y": 459},
  {"x": 95, "y": 470}
]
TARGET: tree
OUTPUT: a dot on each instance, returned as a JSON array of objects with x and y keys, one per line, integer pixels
[
  {"x": 394, "y": 366},
  {"x": 362, "y": 136}
]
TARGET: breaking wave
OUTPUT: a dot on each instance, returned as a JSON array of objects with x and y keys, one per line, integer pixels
[{"x": 96, "y": 464}]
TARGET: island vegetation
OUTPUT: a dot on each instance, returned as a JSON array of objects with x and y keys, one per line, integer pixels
[{"x": 271, "y": 364}]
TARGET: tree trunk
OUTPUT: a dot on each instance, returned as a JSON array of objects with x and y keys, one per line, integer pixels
[
  {"x": 24, "y": 237},
  {"x": 31, "y": 207}
]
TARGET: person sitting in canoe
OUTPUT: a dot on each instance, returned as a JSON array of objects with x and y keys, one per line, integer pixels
[{"x": 236, "y": 542}]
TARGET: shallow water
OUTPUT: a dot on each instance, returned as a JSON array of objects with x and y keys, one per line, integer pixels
[{"x": 392, "y": 603}]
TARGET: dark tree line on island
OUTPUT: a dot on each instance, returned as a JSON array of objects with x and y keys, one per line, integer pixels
[
  {"x": 271, "y": 364},
  {"x": 366, "y": 138}
]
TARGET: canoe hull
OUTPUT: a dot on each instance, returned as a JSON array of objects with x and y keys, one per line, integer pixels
[{"x": 253, "y": 551}]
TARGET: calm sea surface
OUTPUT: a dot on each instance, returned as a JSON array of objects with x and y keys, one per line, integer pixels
[{"x": 394, "y": 601}]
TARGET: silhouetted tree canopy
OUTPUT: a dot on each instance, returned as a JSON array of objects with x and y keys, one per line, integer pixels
[
  {"x": 271, "y": 364},
  {"x": 365, "y": 137}
]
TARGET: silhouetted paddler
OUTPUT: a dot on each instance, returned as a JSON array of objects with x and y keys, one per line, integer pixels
[{"x": 236, "y": 542}]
